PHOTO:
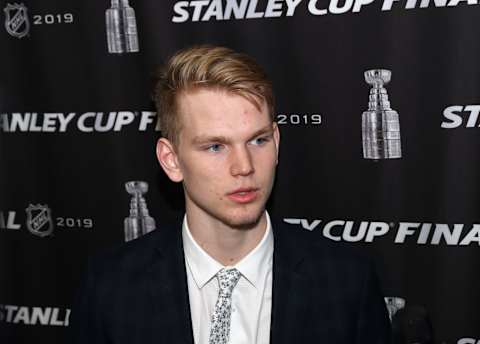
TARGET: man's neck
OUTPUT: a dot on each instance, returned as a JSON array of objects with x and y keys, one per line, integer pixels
[{"x": 225, "y": 244}]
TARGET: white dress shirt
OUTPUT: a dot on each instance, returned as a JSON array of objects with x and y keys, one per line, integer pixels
[{"x": 251, "y": 298}]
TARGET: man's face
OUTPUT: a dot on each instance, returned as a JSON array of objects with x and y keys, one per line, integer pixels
[{"x": 227, "y": 155}]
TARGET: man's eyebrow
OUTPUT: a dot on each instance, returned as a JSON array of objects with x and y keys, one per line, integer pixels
[
  {"x": 206, "y": 139},
  {"x": 265, "y": 130},
  {"x": 201, "y": 139}
]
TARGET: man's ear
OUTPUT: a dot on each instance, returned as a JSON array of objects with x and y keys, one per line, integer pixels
[
  {"x": 167, "y": 157},
  {"x": 276, "y": 138}
]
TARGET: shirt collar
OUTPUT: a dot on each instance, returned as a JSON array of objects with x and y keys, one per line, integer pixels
[{"x": 253, "y": 266}]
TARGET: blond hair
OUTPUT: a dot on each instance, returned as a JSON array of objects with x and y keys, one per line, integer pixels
[{"x": 207, "y": 67}]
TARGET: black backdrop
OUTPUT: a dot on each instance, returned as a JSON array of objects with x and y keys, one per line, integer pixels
[{"x": 63, "y": 163}]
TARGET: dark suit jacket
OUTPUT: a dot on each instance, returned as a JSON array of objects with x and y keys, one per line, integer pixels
[{"x": 138, "y": 294}]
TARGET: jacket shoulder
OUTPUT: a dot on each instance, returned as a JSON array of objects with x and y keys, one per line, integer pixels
[
  {"x": 133, "y": 255},
  {"x": 320, "y": 250}
]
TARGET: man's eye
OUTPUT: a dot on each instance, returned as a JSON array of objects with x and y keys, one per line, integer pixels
[
  {"x": 260, "y": 141},
  {"x": 214, "y": 148}
]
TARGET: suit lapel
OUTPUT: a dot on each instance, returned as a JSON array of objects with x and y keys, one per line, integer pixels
[
  {"x": 169, "y": 291},
  {"x": 290, "y": 288}
]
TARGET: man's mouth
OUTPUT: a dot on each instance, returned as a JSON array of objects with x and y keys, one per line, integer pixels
[{"x": 243, "y": 195}]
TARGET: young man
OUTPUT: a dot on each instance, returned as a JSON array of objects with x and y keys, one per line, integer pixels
[{"x": 227, "y": 274}]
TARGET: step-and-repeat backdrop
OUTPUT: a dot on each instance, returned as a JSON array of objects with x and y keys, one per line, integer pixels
[{"x": 378, "y": 107}]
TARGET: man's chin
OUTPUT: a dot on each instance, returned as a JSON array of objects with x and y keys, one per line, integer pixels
[{"x": 244, "y": 221}]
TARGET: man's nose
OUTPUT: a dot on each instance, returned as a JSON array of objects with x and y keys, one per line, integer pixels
[{"x": 241, "y": 162}]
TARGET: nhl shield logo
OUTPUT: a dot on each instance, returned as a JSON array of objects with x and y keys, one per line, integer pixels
[
  {"x": 16, "y": 20},
  {"x": 39, "y": 220}
]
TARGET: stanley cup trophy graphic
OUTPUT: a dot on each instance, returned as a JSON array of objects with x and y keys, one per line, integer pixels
[
  {"x": 139, "y": 222},
  {"x": 121, "y": 28},
  {"x": 380, "y": 124}
]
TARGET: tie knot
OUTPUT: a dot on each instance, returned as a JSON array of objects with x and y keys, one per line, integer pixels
[{"x": 227, "y": 280}]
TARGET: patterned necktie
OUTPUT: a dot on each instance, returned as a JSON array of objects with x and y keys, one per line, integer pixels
[{"x": 220, "y": 324}]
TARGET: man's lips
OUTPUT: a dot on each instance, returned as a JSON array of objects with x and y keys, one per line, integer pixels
[{"x": 243, "y": 195}]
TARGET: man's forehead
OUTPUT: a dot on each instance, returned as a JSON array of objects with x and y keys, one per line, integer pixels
[
  {"x": 216, "y": 115},
  {"x": 211, "y": 96},
  {"x": 217, "y": 105}
]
